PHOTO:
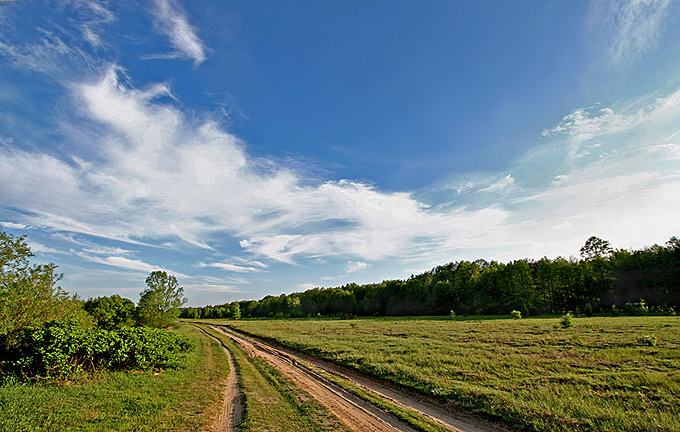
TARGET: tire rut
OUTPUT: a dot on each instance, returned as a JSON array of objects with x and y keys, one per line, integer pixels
[
  {"x": 357, "y": 414},
  {"x": 449, "y": 416},
  {"x": 231, "y": 414}
]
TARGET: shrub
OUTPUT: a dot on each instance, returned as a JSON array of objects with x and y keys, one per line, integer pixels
[
  {"x": 516, "y": 314},
  {"x": 642, "y": 307},
  {"x": 452, "y": 314},
  {"x": 567, "y": 320},
  {"x": 61, "y": 348},
  {"x": 647, "y": 340},
  {"x": 615, "y": 311}
]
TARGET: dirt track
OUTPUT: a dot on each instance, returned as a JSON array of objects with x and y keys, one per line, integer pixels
[
  {"x": 354, "y": 412},
  {"x": 232, "y": 407}
]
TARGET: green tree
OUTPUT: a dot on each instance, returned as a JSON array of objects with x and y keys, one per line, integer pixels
[
  {"x": 235, "y": 310},
  {"x": 29, "y": 294},
  {"x": 596, "y": 248},
  {"x": 111, "y": 312},
  {"x": 159, "y": 303}
]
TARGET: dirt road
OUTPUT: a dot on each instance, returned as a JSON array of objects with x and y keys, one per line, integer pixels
[
  {"x": 357, "y": 414},
  {"x": 232, "y": 407}
]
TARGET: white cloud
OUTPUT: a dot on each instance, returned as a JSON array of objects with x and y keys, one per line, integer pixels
[
  {"x": 13, "y": 225},
  {"x": 632, "y": 27},
  {"x": 232, "y": 267},
  {"x": 500, "y": 185},
  {"x": 355, "y": 266},
  {"x": 159, "y": 175},
  {"x": 126, "y": 263},
  {"x": 41, "y": 248},
  {"x": 172, "y": 21}
]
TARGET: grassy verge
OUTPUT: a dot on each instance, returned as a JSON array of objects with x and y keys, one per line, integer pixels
[
  {"x": 603, "y": 374},
  {"x": 272, "y": 401},
  {"x": 172, "y": 400}
]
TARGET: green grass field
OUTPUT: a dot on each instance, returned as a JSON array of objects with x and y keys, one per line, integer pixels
[
  {"x": 186, "y": 399},
  {"x": 603, "y": 374}
]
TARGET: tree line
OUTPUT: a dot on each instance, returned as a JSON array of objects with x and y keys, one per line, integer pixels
[{"x": 601, "y": 280}]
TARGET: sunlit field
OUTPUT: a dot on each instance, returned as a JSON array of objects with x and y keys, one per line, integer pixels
[{"x": 618, "y": 373}]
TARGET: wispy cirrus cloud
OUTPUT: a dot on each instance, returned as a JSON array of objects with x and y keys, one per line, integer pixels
[
  {"x": 173, "y": 22},
  {"x": 631, "y": 28},
  {"x": 161, "y": 175},
  {"x": 127, "y": 264},
  {"x": 232, "y": 267}
]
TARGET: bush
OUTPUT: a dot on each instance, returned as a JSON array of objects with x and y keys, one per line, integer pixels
[
  {"x": 61, "y": 348},
  {"x": 567, "y": 320},
  {"x": 452, "y": 314},
  {"x": 516, "y": 314},
  {"x": 647, "y": 340}
]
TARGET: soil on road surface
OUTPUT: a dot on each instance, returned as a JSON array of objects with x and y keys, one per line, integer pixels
[{"x": 357, "y": 414}]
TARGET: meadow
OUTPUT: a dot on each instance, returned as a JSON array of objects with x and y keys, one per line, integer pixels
[{"x": 604, "y": 373}]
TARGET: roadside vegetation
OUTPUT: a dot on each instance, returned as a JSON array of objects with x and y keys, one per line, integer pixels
[
  {"x": 597, "y": 374},
  {"x": 100, "y": 364},
  {"x": 272, "y": 402},
  {"x": 187, "y": 398}
]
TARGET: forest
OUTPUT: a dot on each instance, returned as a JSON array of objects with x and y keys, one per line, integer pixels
[{"x": 602, "y": 280}]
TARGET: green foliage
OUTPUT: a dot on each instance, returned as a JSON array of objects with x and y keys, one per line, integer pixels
[
  {"x": 567, "y": 320},
  {"x": 595, "y": 248},
  {"x": 184, "y": 399},
  {"x": 111, "y": 312},
  {"x": 515, "y": 314},
  {"x": 61, "y": 348},
  {"x": 235, "y": 310},
  {"x": 29, "y": 294},
  {"x": 159, "y": 304},
  {"x": 602, "y": 277},
  {"x": 615, "y": 311},
  {"x": 452, "y": 314},
  {"x": 647, "y": 340}
]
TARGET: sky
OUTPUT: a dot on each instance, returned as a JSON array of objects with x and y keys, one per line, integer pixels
[{"x": 256, "y": 147}]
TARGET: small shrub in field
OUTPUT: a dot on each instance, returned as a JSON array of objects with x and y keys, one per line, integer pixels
[
  {"x": 516, "y": 314},
  {"x": 567, "y": 320},
  {"x": 642, "y": 307},
  {"x": 647, "y": 340},
  {"x": 452, "y": 314}
]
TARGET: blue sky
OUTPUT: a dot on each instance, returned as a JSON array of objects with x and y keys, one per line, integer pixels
[{"x": 265, "y": 147}]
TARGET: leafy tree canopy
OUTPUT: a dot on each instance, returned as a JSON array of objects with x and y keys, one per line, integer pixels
[
  {"x": 595, "y": 247},
  {"x": 159, "y": 303},
  {"x": 111, "y": 312},
  {"x": 29, "y": 294}
]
